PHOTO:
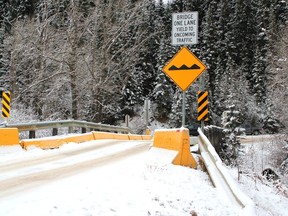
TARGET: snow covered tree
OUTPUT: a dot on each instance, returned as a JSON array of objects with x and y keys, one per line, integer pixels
[
  {"x": 278, "y": 95},
  {"x": 178, "y": 6},
  {"x": 242, "y": 35},
  {"x": 120, "y": 38},
  {"x": 233, "y": 100},
  {"x": 209, "y": 52},
  {"x": 5, "y": 25},
  {"x": 208, "y": 37},
  {"x": 99, "y": 60},
  {"x": 262, "y": 51},
  {"x": 225, "y": 41},
  {"x": 163, "y": 90},
  {"x": 175, "y": 118},
  {"x": 284, "y": 165},
  {"x": 141, "y": 81},
  {"x": 277, "y": 90},
  {"x": 231, "y": 145}
]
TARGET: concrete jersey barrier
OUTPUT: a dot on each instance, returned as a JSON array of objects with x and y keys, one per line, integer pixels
[
  {"x": 177, "y": 140},
  {"x": 9, "y": 136},
  {"x": 57, "y": 141}
]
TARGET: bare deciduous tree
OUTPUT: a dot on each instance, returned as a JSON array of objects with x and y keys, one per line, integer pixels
[{"x": 278, "y": 88}]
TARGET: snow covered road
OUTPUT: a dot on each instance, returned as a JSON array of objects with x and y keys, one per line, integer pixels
[
  {"x": 105, "y": 178},
  {"x": 36, "y": 170}
]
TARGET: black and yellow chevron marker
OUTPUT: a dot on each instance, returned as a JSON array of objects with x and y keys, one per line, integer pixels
[
  {"x": 202, "y": 106},
  {"x": 6, "y": 104}
]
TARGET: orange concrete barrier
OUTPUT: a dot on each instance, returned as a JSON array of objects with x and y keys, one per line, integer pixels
[
  {"x": 135, "y": 137},
  {"x": 148, "y": 132},
  {"x": 56, "y": 142},
  {"x": 146, "y": 137},
  {"x": 177, "y": 140},
  {"x": 79, "y": 138},
  {"x": 102, "y": 135},
  {"x": 106, "y": 135},
  {"x": 9, "y": 136},
  {"x": 120, "y": 136},
  {"x": 43, "y": 143}
]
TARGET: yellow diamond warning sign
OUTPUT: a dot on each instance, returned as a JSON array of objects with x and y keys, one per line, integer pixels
[{"x": 184, "y": 68}]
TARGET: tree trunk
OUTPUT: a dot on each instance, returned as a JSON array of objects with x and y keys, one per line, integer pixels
[{"x": 73, "y": 60}]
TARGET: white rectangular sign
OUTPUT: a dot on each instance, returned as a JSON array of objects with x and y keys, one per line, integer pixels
[{"x": 185, "y": 28}]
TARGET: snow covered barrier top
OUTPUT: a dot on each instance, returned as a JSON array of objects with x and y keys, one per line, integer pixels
[
  {"x": 57, "y": 141},
  {"x": 177, "y": 140}
]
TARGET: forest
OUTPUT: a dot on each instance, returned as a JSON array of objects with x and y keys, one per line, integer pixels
[{"x": 98, "y": 60}]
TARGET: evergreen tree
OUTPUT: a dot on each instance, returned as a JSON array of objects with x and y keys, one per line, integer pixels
[
  {"x": 175, "y": 118},
  {"x": 191, "y": 105},
  {"x": 3, "y": 24},
  {"x": 263, "y": 49},
  {"x": 162, "y": 95},
  {"x": 209, "y": 51},
  {"x": 178, "y": 6},
  {"x": 225, "y": 41},
  {"x": 232, "y": 116},
  {"x": 26, "y": 8},
  {"x": 141, "y": 82},
  {"x": 163, "y": 88},
  {"x": 246, "y": 39},
  {"x": 231, "y": 145},
  {"x": 99, "y": 60}
]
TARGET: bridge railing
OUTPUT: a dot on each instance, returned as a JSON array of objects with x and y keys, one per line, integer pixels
[
  {"x": 220, "y": 175},
  {"x": 70, "y": 124}
]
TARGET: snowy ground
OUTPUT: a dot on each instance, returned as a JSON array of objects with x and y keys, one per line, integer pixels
[
  {"x": 263, "y": 152},
  {"x": 271, "y": 198},
  {"x": 142, "y": 183}
]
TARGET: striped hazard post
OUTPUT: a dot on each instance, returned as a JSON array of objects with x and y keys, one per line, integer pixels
[
  {"x": 202, "y": 106},
  {"x": 6, "y": 104}
]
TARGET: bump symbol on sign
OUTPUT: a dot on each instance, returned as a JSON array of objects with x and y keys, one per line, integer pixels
[{"x": 184, "y": 68}]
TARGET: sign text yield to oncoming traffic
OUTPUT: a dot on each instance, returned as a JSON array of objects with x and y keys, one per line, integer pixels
[{"x": 185, "y": 28}]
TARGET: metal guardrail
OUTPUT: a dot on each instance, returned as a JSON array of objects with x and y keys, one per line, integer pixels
[
  {"x": 220, "y": 176},
  {"x": 70, "y": 124}
]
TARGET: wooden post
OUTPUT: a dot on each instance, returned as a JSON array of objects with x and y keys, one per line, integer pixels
[
  {"x": 54, "y": 131},
  {"x": 32, "y": 134}
]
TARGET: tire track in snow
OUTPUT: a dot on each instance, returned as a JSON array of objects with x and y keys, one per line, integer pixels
[
  {"x": 66, "y": 165},
  {"x": 52, "y": 155}
]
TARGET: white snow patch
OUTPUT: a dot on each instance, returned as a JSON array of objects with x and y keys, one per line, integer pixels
[{"x": 143, "y": 184}]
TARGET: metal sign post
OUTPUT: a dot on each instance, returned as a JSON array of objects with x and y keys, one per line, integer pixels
[
  {"x": 183, "y": 108},
  {"x": 146, "y": 111}
]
